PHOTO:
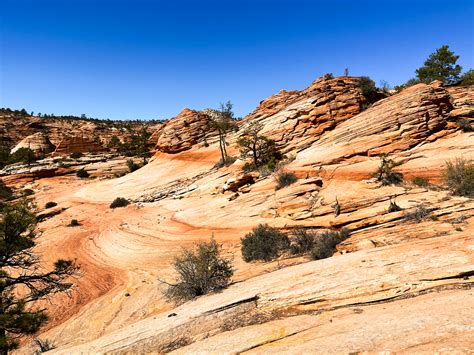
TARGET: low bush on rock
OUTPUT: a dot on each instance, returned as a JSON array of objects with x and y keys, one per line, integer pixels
[
  {"x": 74, "y": 223},
  {"x": 50, "y": 204},
  {"x": 421, "y": 182},
  {"x": 303, "y": 241},
  {"x": 419, "y": 214},
  {"x": 229, "y": 160},
  {"x": 119, "y": 202},
  {"x": 200, "y": 271},
  {"x": 459, "y": 176},
  {"x": 285, "y": 179},
  {"x": 5, "y": 192},
  {"x": 82, "y": 173},
  {"x": 385, "y": 173},
  {"x": 44, "y": 345},
  {"x": 264, "y": 243},
  {"x": 132, "y": 166},
  {"x": 465, "y": 125},
  {"x": 76, "y": 155},
  {"x": 324, "y": 244}
]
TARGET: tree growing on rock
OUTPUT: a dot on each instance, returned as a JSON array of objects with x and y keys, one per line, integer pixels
[
  {"x": 222, "y": 121},
  {"x": 260, "y": 149},
  {"x": 23, "y": 280},
  {"x": 440, "y": 65}
]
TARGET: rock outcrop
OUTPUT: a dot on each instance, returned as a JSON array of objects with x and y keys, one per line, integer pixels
[
  {"x": 38, "y": 143},
  {"x": 78, "y": 144},
  {"x": 183, "y": 131},
  {"x": 295, "y": 119}
]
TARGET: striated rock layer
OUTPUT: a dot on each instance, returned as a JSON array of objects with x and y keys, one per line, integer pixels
[{"x": 38, "y": 143}]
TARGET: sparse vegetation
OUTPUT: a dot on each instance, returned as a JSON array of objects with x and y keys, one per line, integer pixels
[
  {"x": 467, "y": 78},
  {"x": 260, "y": 149},
  {"x": 419, "y": 214},
  {"x": 228, "y": 161},
  {"x": 222, "y": 121},
  {"x": 200, "y": 271},
  {"x": 44, "y": 345},
  {"x": 82, "y": 173},
  {"x": 50, "y": 204},
  {"x": 465, "y": 125},
  {"x": 284, "y": 179},
  {"x": 421, "y": 182},
  {"x": 393, "y": 207},
  {"x": 76, "y": 155},
  {"x": 303, "y": 241},
  {"x": 119, "y": 202},
  {"x": 459, "y": 177},
  {"x": 367, "y": 87},
  {"x": 264, "y": 243},
  {"x": 324, "y": 245},
  {"x": 74, "y": 223},
  {"x": 385, "y": 173},
  {"x": 132, "y": 166},
  {"x": 28, "y": 192},
  {"x": 23, "y": 155},
  {"x": 23, "y": 280},
  {"x": 5, "y": 192}
]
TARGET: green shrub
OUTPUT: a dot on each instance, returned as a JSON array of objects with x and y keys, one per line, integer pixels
[
  {"x": 325, "y": 244},
  {"x": 5, "y": 192},
  {"x": 385, "y": 173},
  {"x": 303, "y": 241},
  {"x": 82, "y": 173},
  {"x": 459, "y": 176},
  {"x": 119, "y": 202},
  {"x": 132, "y": 166},
  {"x": 467, "y": 78},
  {"x": 264, "y": 243},
  {"x": 200, "y": 271},
  {"x": 23, "y": 155},
  {"x": 285, "y": 179},
  {"x": 76, "y": 155},
  {"x": 421, "y": 182},
  {"x": 74, "y": 223},
  {"x": 367, "y": 87},
  {"x": 50, "y": 204},
  {"x": 28, "y": 192},
  {"x": 465, "y": 125}
]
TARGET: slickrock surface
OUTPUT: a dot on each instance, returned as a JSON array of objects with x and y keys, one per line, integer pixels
[
  {"x": 394, "y": 285},
  {"x": 38, "y": 143}
]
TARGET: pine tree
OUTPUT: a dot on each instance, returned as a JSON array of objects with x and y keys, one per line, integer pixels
[
  {"x": 20, "y": 270},
  {"x": 440, "y": 65}
]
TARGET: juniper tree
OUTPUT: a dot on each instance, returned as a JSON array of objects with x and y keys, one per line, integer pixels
[
  {"x": 440, "y": 65},
  {"x": 23, "y": 280},
  {"x": 222, "y": 121}
]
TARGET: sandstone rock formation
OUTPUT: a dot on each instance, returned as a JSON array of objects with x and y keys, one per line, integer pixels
[
  {"x": 183, "y": 131},
  {"x": 78, "y": 144},
  {"x": 295, "y": 119},
  {"x": 38, "y": 143},
  {"x": 394, "y": 285}
]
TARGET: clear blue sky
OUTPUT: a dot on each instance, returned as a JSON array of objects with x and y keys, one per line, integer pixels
[{"x": 149, "y": 59}]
